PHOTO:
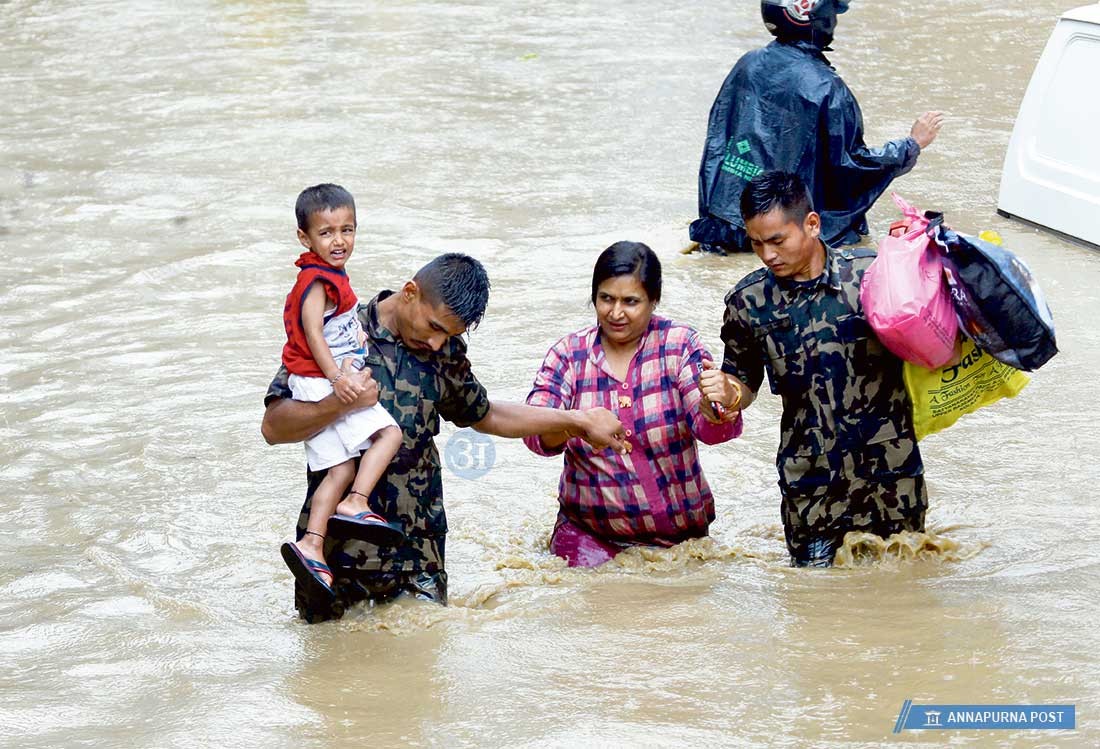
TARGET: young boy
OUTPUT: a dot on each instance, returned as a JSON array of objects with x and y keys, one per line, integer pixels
[{"x": 323, "y": 333}]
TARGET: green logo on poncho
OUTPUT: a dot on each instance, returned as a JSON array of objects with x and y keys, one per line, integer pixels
[{"x": 735, "y": 164}]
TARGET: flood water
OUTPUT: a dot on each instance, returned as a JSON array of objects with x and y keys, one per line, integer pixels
[{"x": 149, "y": 160}]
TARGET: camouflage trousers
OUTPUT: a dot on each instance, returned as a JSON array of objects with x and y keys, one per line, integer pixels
[
  {"x": 372, "y": 586},
  {"x": 815, "y": 523}
]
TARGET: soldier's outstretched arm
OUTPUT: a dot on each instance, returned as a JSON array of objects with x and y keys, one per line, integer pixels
[{"x": 598, "y": 426}]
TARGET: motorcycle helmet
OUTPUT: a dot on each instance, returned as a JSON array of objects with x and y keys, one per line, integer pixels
[{"x": 807, "y": 20}]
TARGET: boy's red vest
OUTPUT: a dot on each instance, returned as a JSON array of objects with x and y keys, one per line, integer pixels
[{"x": 296, "y": 354}]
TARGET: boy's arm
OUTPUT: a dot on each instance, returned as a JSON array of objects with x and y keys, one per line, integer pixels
[{"x": 313, "y": 324}]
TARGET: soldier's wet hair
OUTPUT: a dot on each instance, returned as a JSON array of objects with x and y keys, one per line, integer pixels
[
  {"x": 323, "y": 197},
  {"x": 769, "y": 190},
  {"x": 629, "y": 259},
  {"x": 458, "y": 282}
]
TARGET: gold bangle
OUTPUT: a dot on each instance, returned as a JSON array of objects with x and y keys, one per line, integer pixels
[{"x": 736, "y": 405}]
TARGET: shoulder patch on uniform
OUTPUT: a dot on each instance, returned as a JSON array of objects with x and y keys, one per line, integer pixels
[
  {"x": 455, "y": 347},
  {"x": 755, "y": 277}
]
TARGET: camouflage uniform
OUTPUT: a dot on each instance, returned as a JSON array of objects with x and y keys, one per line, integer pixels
[
  {"x": 417, "y": 388},
  {"x": 848, "y": 458}
]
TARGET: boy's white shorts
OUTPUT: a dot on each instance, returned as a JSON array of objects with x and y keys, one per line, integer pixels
[{"x": 345, "y": 438}]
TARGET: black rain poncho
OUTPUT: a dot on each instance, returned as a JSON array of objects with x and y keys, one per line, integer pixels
[{"x": 784, "y": 107}]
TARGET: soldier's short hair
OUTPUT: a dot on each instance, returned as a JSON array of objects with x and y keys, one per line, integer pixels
[
  {"x": 775, "y": 189},
  {"x": 629, "y": 259},
  {"x": 323, "y": 197},
  {"x": 458, "y": 282}
]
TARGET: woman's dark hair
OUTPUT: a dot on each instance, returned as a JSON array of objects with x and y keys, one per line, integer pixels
[
  {"x": 769, "y": 190},
  {"x": 629, "y": 259}
]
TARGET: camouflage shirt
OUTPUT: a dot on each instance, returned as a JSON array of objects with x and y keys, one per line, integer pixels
[
  {"x": 845, "y": 410},
  {"x": 417, "y": 388}
]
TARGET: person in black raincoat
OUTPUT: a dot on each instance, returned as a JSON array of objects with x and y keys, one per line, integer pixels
[{"x": 784, "y": 107}]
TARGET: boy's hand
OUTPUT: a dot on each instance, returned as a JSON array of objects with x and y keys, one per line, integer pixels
[
  {"x": 348, "y": 383},
  {"x": 368, "y": 389},
  {"x": 360, "y": 380},
  {"x": 345, "y": 389}
]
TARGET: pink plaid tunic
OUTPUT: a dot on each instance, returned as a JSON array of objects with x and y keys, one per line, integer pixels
[{"x": 656, "y": 494}]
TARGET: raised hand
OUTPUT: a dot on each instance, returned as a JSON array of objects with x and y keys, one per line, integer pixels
[{"x": 926, "y": 128}]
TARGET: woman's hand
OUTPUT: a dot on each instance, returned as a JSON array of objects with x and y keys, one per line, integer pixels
[
  {"x": 712, "y": 410},
  {"x": 722, "y": 389}
]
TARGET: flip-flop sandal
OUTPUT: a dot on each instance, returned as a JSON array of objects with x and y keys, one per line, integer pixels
[
  {"x": 366, "y": 526},
  {"x": 305, "y": 571}
]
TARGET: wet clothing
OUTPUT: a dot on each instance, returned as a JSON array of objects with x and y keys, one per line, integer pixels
[
  {"x": 347, "y": 437},
  {"x": 814, "y": 524},
  {"x": 341, "y": 324},
  {"x": 848, "y": 457},
  {"x": 378, "y": 587},
  {"x": 579, "y": 547},
  {"x": 417, "y": 388},
  {"x": 657, "y": 493},
  {"x": 784, "y": 107}
]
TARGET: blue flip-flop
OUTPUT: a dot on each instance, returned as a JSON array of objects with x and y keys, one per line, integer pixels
[
  {"x": 305, "y": 571},
  {"x": 366, "y": 526}
]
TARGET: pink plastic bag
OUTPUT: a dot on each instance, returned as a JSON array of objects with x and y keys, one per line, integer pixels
[{"x": 905, "y": 295}]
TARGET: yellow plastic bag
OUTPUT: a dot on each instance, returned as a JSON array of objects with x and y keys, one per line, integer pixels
[{"x": 941, "y": 396}]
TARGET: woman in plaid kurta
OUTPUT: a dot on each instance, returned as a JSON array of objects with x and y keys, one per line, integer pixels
[{"x": 645, "y": 368}]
